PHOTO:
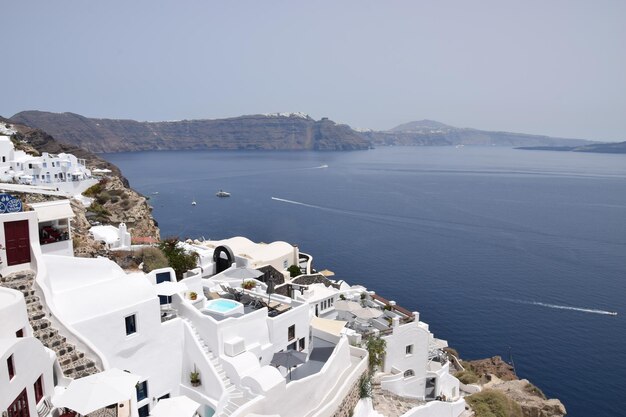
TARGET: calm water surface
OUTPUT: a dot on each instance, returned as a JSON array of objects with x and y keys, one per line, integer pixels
[{"x": 488, "y": 244}]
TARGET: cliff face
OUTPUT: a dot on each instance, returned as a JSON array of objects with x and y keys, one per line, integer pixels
[{"x": 256, "y": 132}]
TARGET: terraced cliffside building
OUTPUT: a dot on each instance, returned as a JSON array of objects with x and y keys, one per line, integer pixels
[{"x": 232, "y": 344}]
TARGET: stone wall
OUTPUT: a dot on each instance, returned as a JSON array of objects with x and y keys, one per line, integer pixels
[{"x": 346, "y": 407}]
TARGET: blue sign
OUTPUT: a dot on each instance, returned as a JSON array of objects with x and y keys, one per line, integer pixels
[{"x": 10, "y": 204}]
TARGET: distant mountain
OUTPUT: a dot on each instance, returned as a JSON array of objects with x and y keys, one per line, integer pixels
[
  {"x": 277, "y": 131},
  {"x": 619, "y": 147},
  {"x": 432, "y": 133},
  {"x": 420, "y": 126}
]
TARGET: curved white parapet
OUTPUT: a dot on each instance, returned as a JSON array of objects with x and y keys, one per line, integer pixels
[{"x": 13, "y": 314}]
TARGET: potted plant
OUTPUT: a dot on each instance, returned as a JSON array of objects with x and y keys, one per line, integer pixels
[
  {"x": 193, "y": 295},
  {"x": 194, "y": 377},
  {"x": 248, "y": 285}
]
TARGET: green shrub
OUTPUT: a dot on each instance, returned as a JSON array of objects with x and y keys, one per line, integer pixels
[
  {"x": 534, "y": 390},
  {"x": 294, "y": 271},
  {"x": 102, "y": 214},
  {"x": 177, "y": 258},
  {"x": 365, "y": 386},
  {"x": 152, "y": 259},
  {"x": 376, "y": 350},
  {"x": 491, "y": 403},
  {"x": 467, "y": 376},
  {"x": 94, "y": 190}
]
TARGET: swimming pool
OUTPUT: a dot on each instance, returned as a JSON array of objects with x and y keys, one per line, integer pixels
[{"x": 223, "y": 307}]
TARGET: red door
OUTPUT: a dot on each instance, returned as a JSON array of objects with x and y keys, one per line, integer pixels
[
  {"x": 19, "y": 408},
  {"x": 17, "y": 242}
]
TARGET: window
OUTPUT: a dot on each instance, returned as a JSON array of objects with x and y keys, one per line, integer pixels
[
  {"x": 409, "y": 350},
  {"x": 142, "y": 390},
  {"x": 291, "y": 332},
  {"x": 30, "y": 166},
  {"x": 285, "y": 264},
  {"x": 292, "y": 346},
  {"x": 162, "y": 397},
  {"x": 45, "y": 165},
  {"x": 19, "y": 333},
  {"x": 131, "y": 325},
  {"x": 38, "y": 389},
  {"x": 409, "y": 373},
  {"x": 4, "y": 159},
  {"x": 11, "y": 367},
  {"x": 144, "y": 411},
  {"x": 301, "y": 344}
]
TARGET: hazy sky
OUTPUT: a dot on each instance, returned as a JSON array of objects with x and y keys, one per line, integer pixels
[{"x": 554, "y": 67}]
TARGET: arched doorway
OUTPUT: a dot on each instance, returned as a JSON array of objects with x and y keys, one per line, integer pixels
[{"x": 223, "y": 258}]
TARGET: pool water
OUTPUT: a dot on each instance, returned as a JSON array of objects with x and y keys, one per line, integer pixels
[{"x": 222, "y": 305}]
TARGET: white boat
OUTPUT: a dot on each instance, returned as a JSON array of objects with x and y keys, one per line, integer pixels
[
  {"x": 222, "y": 193},
  {"x": 193, "y": 203}
]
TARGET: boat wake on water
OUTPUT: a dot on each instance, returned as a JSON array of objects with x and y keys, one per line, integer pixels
[{"x": 562, "y": 307}]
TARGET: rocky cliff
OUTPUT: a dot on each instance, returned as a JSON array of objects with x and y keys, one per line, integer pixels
[{"x": 291, "y": 131}]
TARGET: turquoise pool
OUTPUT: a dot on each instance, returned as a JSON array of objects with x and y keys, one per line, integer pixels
[{"x": 223, "y": 307}]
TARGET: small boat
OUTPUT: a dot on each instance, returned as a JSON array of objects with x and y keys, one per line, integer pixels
[
  {"x": 193, "y": 203},
  {"x": 222, "y": 193},
  {"x": 612, "y": 313}
]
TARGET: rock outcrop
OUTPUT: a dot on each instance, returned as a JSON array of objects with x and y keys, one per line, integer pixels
[
  {"x": 495, "y": 374},
  {"x": 529, "y": 397},
  {"x": 291, "y": 131}
]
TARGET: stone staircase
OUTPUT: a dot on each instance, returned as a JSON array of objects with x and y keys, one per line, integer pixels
[
  {"x": 73, "y": 362},
  {"x": 236, "y": 397}
]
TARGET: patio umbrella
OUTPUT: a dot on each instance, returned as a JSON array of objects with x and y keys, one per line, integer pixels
[
  {"x": 97, "y": 391},
  {"x": 243, "y": 273},
  {"x": 367, "y": 313},
  {"x": 169, "y": 288},
  {"x": 181, "y": 406},
  {"x": 288, "y": 359},
  {"x": 345, "y": 305}
]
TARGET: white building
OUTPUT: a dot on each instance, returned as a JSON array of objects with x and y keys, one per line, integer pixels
[
  {"x": 207, "y": 338},
  {"x": 63, "y": 171}
]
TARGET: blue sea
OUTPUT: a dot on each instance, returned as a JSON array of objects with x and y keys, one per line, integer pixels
[{"x": 503, "y": 252}]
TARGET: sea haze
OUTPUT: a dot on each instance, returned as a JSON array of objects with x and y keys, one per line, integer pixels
[{"x": 495, "y": 247}]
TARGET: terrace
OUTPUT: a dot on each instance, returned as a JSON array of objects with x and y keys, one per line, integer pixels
[{"x": 242, "y": 301}]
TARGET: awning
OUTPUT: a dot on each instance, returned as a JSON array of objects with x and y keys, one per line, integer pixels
[{"x": 53, "y": 210}]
